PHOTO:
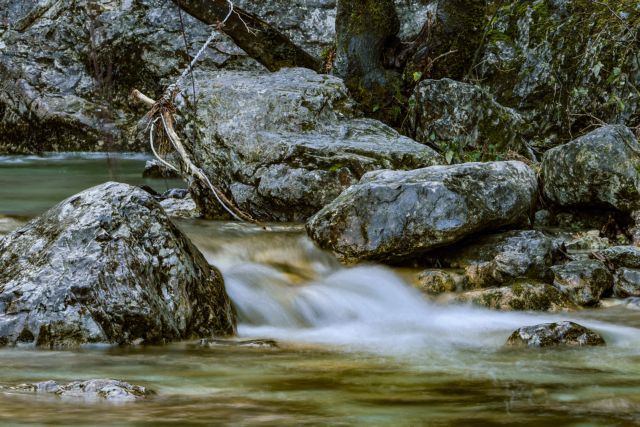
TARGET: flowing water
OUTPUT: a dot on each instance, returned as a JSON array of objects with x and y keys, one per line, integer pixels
[{"x": 357, "y": 346}]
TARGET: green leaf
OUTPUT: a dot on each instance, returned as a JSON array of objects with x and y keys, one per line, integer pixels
[
  {"x": 417, "y": 75},
  {"x": 449, "y": 157},
  {"x": 596, "y": 69}
]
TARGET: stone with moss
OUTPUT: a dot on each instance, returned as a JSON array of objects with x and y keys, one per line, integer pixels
[
  {"x": 559, "y": 334},
  {"x": 465, "y": 120},
  {"x": 566, "y": 65},
  {"x": 524, "y": 295},
  {"x": 584, "y": 281},
  {"x": 438, "y": 281},
  {"x": 599, "y": 169}
]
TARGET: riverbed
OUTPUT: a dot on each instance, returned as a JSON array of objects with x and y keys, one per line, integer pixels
[{"x": 356, "y": 346}]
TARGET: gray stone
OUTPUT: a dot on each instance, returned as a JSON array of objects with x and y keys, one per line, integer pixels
[
  {"x": 459, "y": 117},
  {"x": 99, "y": 389},
  {"x": 285, "y": 144},
  {"x": 597, "y": 169},
  {"x": 500, "y": 258},
  {"x": 626, "y": 283},
  {"x": 257, "y": 343},
  {"x": 435, "y": 281},
  {"x": 523, "y": 295},
  {"x": 66, "y": 70},
  {"x": 107, "y": 266},
  {"x": 621, "y": 256},
  {"x": 584, "y": 281},
  {"x": 395, "y": 214},
  {"x": 543, "y": 218},
  {"x": 180, "y": 207},
  {"x": 565, "y": 334}
]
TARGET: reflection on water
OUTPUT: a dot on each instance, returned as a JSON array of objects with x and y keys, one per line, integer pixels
[
  {"x": 30, "y": 185},
  {"x": 357, "y": 346}
]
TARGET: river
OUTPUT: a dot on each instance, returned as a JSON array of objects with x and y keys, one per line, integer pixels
[{"x": 357, "y": 346}]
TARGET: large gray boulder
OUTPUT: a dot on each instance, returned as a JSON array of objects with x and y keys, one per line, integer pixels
[
  {"x": 463, "y": 120},
  {"x": 396, "y": 214},
  {"x": 107, "y": 266},
  {"x": 285, "y": 144},
  {"x": 597, "y": 169}
]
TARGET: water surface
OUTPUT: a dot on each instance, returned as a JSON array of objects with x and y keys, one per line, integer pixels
[{"x": 358, "y": 346}]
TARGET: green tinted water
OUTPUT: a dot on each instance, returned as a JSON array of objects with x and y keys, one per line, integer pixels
[{"x": 357, "y": 346}]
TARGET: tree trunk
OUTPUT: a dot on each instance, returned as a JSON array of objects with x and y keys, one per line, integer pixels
[{"x": 260, "y": 40}]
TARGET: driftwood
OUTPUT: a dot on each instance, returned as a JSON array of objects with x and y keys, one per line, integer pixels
[
  {"x": 261, "y": 41},
  {"x": 162, "y": 111}
]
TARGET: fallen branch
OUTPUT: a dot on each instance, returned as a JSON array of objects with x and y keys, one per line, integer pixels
[{"x": 162, "y": 111}]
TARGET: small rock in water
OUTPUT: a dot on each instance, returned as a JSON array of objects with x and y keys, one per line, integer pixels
[
  {"x": 258, "y": 343},
  {"x": 565, "y": 333},
  {"x": 107, "y": 389}
]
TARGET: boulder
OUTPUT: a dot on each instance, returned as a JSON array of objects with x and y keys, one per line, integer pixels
[
  {"x": 523, "y": 295},
  {"x": 621, "y": 256},
  {"x": 584, "y": 281},
  {"x": 565, "y": 334},
  {"x": 391, "y": 215},
  {"x": 67, "y": 70},
  {"x": 107, "y": 266},
  {"x": 497, "y": 259},
  {"x": 626, "y": 283},
  {"x": 565, "y": 65},
  {"x": 597, "y": 169},
  {"x": 285, "y": 144},
  {"x": 463, "y": 120},
  {"x": 103, "y": 389}
]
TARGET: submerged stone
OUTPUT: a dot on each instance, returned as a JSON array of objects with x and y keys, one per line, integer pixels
[
  {"x": 107, "y": 266},
  {"x": 566, "y": 334},
  {"x": 99, "y": 389}
]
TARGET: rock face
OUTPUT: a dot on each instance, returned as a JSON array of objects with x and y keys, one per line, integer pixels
[
  {"x": 566, "y": 334},
  {"x": 107, "y": 265},
  {"x": 626, "y": 261},
  {"x": 67, "y": 70},
  {"x": 285, "y": 144},
  {"x": 621, "y": 256},
  {"x": 563, "y": 62},
  {"x": 103, "y": 389},
  {"x": 395, "y": 214},
  {"x": 626, "y": 283},
  {"x": 524, "y": 295},
  {"x": 500, "y": 258},
  {"x": 584, "y": 281},
  {"x": 597, "y": 169},
  {"x": 463, "y": 119}
]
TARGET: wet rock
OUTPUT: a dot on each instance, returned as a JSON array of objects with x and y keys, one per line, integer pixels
[
  {"x": 180, "y": 208},
  {"x": 67, "y": 70},
  {"x": 597, "y": 169},
  {"x": 99, "y": 389},
  {"x": 584, "y": 281},
  {"x": 500, "y": 258},
  {"x": 434, "y": 282},
  {"x": 626, "y": 283},
  {"x": 565, "y": 334},
  {"x": 459, "y": 117},
  {"x": 524, "y": 295},
  {"x": 394, "y": 214},
  {"x": 621, "y": 256},
  {"x": 562, "y": 64},
  {"x": 107, "y": 265},
  {"x": 285, "y": 144}
]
